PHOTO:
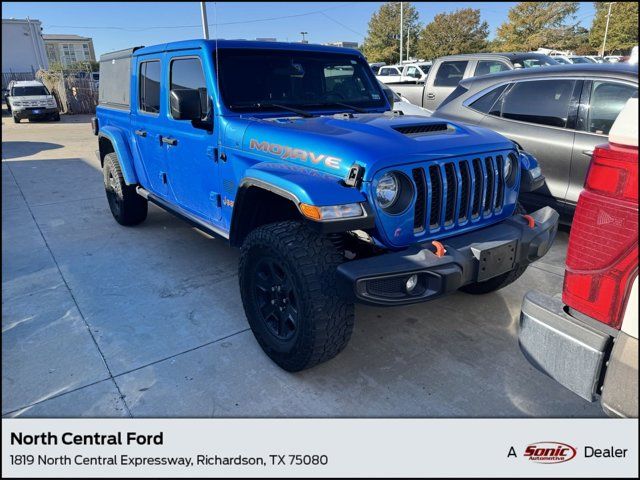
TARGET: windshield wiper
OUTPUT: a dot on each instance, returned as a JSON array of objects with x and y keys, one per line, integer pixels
[
  {"x": 297, "y": 111},
  {"x": 345, "y": 105}
]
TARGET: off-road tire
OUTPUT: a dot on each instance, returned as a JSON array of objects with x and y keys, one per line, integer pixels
[
  {"x": 309, "y": 260},
  {"x": 127, "y": 207},
  {"x": 16, "y": 119},
  {"x": 501, "y": 281}
]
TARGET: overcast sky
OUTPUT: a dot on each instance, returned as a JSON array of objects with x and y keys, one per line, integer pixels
[{"x": 116, "y": 25}]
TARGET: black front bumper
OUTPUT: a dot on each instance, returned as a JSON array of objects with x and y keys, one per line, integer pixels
[
  {"x": 472, "y": 257},
  {"x": 29, "y": 113}
]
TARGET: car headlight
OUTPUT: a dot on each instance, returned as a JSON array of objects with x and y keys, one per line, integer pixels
[
  {"x": 510, "y": 169},
  {"x": 387, "y": 190},
  {"x": 394, "y": 192},
  {"x": 507, "y": 169}
]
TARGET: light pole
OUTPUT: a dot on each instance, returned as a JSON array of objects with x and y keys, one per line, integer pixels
[
  {"x": 203, "y": 14},
  {"x": 401, "y": 22},
  {"x": 304, "y": 40},
  {"x": 606, "y": 30}
]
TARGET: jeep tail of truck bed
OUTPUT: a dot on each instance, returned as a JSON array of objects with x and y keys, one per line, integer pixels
[{"x": 332, "y": 198}]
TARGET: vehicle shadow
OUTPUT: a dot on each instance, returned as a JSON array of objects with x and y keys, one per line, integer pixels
[{"x": 11, "y": 150}]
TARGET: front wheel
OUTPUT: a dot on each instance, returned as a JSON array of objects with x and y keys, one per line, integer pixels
[
  {"x": 288, "y": 288},
  {"x": 16, "y": 119}
]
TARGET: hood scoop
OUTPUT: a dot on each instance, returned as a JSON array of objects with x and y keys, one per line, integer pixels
[{"x": 424, "y": 129}]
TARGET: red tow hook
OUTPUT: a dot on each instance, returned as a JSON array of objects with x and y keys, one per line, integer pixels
[
  {"x": 529, "y": 218},
  {"x": 440, "y": 250}
]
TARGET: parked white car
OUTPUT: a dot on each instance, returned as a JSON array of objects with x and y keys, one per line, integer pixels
[
  {"x": 390, "y": 74},
  {"x": 31, "y": 100},
  {"x": 408, "y": 72}
]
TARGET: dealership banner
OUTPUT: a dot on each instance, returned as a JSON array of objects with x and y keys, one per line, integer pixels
[{"x": 319, "y": 447}]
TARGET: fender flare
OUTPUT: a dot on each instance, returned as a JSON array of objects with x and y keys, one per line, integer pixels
[
  {"x": 302, "y": 185},
  {"x": 120, "y": 145}
]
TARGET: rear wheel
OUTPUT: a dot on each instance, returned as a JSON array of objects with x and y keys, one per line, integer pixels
[
  {"x": 16, "y": 119},
  {"x": 288, "y": 288},
  {"x": 127, "y": 207}
]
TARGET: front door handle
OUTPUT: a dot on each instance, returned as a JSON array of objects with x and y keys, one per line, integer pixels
[
  {"x": 431, "y": 96},
  {"x": 169, "y": 141},
  {"x": 588, "y": 153},
  {"x": 141, "y": 133}
]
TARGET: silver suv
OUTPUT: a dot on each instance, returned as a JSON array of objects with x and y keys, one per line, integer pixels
[{"x": 31, "y": 100}]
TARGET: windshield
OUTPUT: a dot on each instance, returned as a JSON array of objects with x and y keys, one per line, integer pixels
[
  {"x": 533, "y": 62},
  {"x": 298, "y": 79},
  {"x": 29, "y": 91}
]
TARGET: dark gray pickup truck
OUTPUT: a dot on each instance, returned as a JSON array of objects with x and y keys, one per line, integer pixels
[{"x": 447, "y": 72}]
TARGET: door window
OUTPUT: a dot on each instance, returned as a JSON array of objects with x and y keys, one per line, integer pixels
[
  {"x": 607, "y": 99},
  {"x": 485, "y": 103},
  {"x": 414, "y": 72},
  {"x": 545, "y": 102},
  {"x": 187, "y": 74},
  {"x": 149, "y": 89},
  {"x": 450, "y": 73},
  {"x": 485, "y": 67}
]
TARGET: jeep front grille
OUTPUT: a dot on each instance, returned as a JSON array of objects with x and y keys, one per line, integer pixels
[{"x": 451, "y": 193}]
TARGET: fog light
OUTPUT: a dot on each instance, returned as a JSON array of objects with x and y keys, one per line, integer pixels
[{"x": 412, "y": 281}]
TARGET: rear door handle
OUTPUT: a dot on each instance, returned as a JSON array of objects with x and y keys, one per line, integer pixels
[
  {"x": 169, "y": 141},
  {"x": 588, "y": 153},
  {"x": 141, "y": 133},
  {"x": 431, "y": 96}
]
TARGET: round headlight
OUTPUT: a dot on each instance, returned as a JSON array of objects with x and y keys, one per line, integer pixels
[
  {"x": 507, "y": 168},
  {"x": 510, "y": 169},
  {"x": 387, "y": 190}
]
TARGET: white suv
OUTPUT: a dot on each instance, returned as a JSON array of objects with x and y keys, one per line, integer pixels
[{"x": 31, "y": 99}]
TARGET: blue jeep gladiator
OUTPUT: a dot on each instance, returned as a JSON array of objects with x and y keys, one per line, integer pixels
[{"x": 293, "y": 153}]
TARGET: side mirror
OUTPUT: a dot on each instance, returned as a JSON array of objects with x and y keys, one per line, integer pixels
[{"x": 185, "y": 104}]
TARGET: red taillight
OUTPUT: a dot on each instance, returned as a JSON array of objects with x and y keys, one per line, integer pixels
[{"x": 602, "y": 258}]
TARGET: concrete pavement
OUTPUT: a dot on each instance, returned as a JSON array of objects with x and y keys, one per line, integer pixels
[{"x": 101, "y": 320}]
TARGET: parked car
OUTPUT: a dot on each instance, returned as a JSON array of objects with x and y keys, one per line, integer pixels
[
  {"x": 408, "y": 72},
  {"x": 390, "y": 74},
  {"x": 447, "y": 72},
  {"x": 31, "y": 100},
  {"x": 561, "y": 59},
  {"x": 559, "y": 114},
  {"x": 333, "y": 198},
  {"x": 595, "y": 58},
  {"x": 588, "y": 341},
  {"x": 375, "y": 66},
  {"x": 575, "y": 59},
  {"x": 633, "y": 58},
  {"x": 399, "y": 104}
]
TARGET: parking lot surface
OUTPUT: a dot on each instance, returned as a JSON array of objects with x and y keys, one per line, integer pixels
[{"x": 101, "y": 320}]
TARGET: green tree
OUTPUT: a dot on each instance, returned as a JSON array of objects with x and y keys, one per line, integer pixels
[
  {"x": 461, "y": 31},
  {"x": 623, "y": 26},
  {"x": 383, "y": 36},
  {"x": 534, "y": 24}
]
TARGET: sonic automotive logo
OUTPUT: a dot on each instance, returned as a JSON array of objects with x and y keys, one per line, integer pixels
[{"x": 550, "y": 452}]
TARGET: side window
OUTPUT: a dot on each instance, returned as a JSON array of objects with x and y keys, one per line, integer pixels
[
  {"x": 607, "y": 100},
  {"x": 485, "y": 103},
  {"x": 383, "y": 71},
  {"x": 545, "y": 102},
  {"x": 485, "y": 67},
  {"x": 149, "y": 87},
  {"x": 413, "y": 72},
  {"x": 187, "y": 74},
  {"x": 450, "y": 73}
]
